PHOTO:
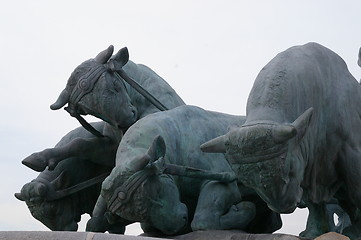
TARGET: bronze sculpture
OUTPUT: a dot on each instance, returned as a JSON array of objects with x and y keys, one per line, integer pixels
[
  {"x": 300, "y": 139},
  {"x": 153, "y": 168},
  {"x": 94, "y": 82},
  {"x": 201, "y": 196}
]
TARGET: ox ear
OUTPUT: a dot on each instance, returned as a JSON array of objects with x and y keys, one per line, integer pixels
[
  {"x": 122, "y": 57},
  {"x": 154, "y": 152},
  {"x": 302, "y": 122},
  {"x": 157, "y": 149}
]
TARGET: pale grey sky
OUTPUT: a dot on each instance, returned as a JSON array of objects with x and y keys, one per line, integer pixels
[{"x": 209, "y": 51}]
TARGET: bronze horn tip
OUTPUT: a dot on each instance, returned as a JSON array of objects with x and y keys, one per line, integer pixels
[
  {"x": 104, "y": 55},
  {"x": 61, "y": 101},
  {"x": 216, "y": 145},
  {"x": 19, "y": 196}
]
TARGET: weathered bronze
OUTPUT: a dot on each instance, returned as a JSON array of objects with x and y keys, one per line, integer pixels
[
  {"x": 298, "y": 146},
  {"x": 62, "y": 212},
  {"x": 300, "y": 140},
  {"x": 163, "y": 180},
  {"x": 93, "y": 88}
]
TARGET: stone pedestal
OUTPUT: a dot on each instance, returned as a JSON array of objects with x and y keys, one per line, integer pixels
[{"x": 199, "y": 235}]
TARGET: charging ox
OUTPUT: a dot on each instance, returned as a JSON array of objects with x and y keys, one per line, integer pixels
[
  {"x": 181, "y": 194},
  {"x": 59, "y": 197},
  {"x": 103, "y": 87},
  {"x": 301, "y": 139},
  {"x": 96, "y": 88}
]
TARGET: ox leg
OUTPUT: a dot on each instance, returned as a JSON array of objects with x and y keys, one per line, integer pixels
[
  {"x": 100, "y": 223},
  {"x": 98, "y": 150},
  {"x": 317, "y": 221},
  {"x": 351, "y": 174},
  {"x": 219, "y": 207}
]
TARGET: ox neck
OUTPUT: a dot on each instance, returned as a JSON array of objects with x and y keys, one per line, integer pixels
[{"x": 142, "y": 91}]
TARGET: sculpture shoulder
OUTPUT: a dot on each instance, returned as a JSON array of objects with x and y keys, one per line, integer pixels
[{"x": 136, "y": 70}]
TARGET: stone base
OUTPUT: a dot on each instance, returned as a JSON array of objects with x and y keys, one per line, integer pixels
[
  {"x": 332, "y": 236},
  {"x": 234, "y": 235},
  {"x": 39, "y": 235},
  {"x": 198, "y": 235}
]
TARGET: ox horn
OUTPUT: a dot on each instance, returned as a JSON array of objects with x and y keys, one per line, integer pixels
[
  {"x": 19, "y": 196},
  {"x": 282, "y": 133},
  {"x": 359, "y": 58},
  {"x": 104, "y": 55},
  {"x": 216, "y": 145},
  {"x": 61, "y": 101}
]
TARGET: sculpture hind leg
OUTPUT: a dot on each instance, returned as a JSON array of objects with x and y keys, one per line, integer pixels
[
  {"x": 100, "y": 223},
  {"x": 220, "y": 207},
  {"x": 317, "y": 221},
  {"x": 97, "y": 150},
  {"x": 78, "y": 143},
  {"x": 351, "y": 174}
]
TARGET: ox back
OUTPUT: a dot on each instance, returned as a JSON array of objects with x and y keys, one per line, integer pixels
[{"x": 311, "y": 76}]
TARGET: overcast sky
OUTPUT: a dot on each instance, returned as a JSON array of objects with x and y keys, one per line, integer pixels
[{"x": 209, "y": 51}]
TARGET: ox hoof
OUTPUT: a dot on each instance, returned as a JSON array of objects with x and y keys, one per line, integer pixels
[
  {"x": 96, "y": 224},
  {"x": 353, "y": 231},
  {"x": 239, "y": 215},
  {"x": 35, "y": 162},
  {"x": 311, "y": 233}
]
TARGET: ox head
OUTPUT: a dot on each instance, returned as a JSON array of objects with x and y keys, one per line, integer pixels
[
  {"x": 267, "y": 157},
  {"x": 57, "y": 215},
  {"x": 94, "y": 89},
  {"x": 141, "y": 195}
]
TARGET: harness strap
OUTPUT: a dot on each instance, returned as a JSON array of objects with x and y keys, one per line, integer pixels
[
  {"x": 121, "y": 74},
  {"x": 76, "y": 188},
  {"x": 185, "y": 171},
  {"x": 124, "y": 193},
  {"x": 86, "y": 83},
  {"x": 70, "y": 109},
  {"x": 161, "y": 167}
]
